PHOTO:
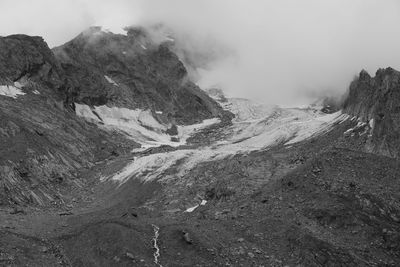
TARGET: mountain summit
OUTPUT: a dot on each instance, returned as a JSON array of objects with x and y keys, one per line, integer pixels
[{"x": 133, "y": 71}]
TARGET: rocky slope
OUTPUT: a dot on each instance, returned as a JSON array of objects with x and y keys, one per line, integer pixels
[
  {"x": 44, "y": 144},
  {"x": 375, "y": 101}
]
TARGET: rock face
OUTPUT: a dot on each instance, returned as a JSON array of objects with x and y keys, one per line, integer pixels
[
  {"x": 133, "y": 71},
  {"x": 42, "y": 143},
  {"x": 376, "y": 101}
]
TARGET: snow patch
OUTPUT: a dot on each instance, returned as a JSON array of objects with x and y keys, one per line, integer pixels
[
  {"x": 316, "y": 126},
  {"x": 159, "y": 112},
  {"x": 189, "y": 210},
  {"x": 114, "y": 30},
  {"x": 11, "y": 91},
  {"x": 139, "y": 125},
  {"x": 36, "y": 92},
  {"x": 142, "y": 46},
  {"x": 110, "y": 80},
  {"x": 245, "y": 110},
  {"x": 372, "y": 123},
  {"x": 360, "y": 124}
]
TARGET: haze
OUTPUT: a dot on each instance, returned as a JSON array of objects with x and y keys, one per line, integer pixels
[{"x": 282, "y": 52}]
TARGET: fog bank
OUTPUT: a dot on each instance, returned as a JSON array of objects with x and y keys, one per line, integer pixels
[{"x": 281, "y": 52}]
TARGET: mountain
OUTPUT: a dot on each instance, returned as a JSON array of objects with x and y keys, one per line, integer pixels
[
  {"x": 44, "y": 144},
  {"x": 376, "y": 102},
  {"x": 133, "y": 71},
  {"x": 111, "y": 156}
]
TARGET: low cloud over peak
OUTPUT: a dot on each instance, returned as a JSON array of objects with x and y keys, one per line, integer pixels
[{"x": 272, "y": 51}]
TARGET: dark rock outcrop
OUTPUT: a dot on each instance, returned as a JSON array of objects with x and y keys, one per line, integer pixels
[
  {"x": 29, "y": 59},
  {"x": 376, "y": 100}
]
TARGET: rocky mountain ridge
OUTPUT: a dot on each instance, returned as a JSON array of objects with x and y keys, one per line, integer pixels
[{"x": 375, "y": 101}]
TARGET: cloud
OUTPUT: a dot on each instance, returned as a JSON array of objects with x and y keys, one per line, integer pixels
[
  {"x": 61, "y": 20},
  {"x": 272, "y": 51}
]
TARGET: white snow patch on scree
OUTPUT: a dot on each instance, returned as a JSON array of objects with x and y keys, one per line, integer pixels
[
  {"x": 139, "y": 125},
  {"x": 203, "y": 202},
  {"x": 11, "y": 91},
  {"x": 110, "y": 80}
]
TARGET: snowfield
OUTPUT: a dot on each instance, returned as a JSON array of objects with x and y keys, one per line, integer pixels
[
  {"x": 139, "y": 125},
  {"x": 258, "y": 127}
]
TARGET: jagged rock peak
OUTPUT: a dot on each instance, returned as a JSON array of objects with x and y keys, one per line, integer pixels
[
  {"x": 364, "y": 75},
  {"x": 377, "y": 100}
]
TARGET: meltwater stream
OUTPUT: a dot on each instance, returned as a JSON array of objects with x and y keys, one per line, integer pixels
[{"x": 155, "y": 245}]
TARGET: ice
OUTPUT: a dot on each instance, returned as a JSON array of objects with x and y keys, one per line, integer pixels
[
  {"x": 10, "y": 91},
  {"x": 110, "y": 80},
  {"x": 150, "y": 167},
  {"x": 245, "y": 110},
  {"x": 139, "y": 125},
  {"x": 284, "y": 127},
  {"x": 113, "y": 29}
]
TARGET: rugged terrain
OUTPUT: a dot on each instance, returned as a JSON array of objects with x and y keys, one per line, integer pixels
[{"x": 110, "y": 156}]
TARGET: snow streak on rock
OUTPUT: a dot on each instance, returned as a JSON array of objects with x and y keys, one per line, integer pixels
[
  {"x": 155, "y": 245},
  {"x": 110, "y": 80}
]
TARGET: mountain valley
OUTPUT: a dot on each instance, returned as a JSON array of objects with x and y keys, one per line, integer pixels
[{"x": 111, "y": 156}]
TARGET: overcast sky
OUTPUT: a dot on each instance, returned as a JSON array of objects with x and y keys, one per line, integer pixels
[{"x": 280, "y": 50}]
